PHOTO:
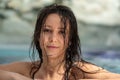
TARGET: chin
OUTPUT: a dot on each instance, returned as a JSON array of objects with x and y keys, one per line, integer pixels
[{"x": 52, "y": 56}]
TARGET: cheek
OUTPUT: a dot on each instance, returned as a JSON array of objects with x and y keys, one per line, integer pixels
[{"x": 42, "y": 40}]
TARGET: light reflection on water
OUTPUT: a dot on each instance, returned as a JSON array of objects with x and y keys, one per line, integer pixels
[{"x": 109, "y": 60}]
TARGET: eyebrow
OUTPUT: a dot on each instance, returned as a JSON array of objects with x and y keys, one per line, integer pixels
[{"x": 51, "y": 26}]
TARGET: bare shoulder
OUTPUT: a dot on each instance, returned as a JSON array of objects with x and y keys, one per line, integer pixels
[
  {"x": 89, "y": 67},
  {"x": 18, "y": 67},
  {"x": 92, "y": 71}
]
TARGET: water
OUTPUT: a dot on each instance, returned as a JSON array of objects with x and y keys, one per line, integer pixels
[
  {"x": 109, "y": 60},
  {"x": 13, "y": 53},
  {"x": 7, "y": 56}
]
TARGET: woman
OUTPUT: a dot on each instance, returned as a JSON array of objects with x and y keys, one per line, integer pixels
[{"x": 58, "y": 47}]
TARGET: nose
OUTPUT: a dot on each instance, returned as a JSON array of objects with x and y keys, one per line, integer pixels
[{"x": 53, "y": 37}]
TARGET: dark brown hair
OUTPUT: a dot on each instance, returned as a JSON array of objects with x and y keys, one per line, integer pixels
[{"x": 73, "y": 52}]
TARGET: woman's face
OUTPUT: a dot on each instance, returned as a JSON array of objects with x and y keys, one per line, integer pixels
[{"x": 52, "y": 41}]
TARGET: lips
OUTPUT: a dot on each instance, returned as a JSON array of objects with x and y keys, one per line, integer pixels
[{"x": 52, "y": 47}]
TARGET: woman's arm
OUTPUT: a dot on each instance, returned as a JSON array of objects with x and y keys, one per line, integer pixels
[
  {"x": 92, "y": 71},
  {"x": 100, "y": 73},
  {"x": 103, "y": 74},
  {"x": 109, "y": 75},
  {"x": 15, "y": 70},
  {"x": 6, "y": 75},
  {"x": 17, "y": 67}
]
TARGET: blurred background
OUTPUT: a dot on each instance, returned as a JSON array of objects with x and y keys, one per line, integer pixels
[{"x": 98, "y": 23}]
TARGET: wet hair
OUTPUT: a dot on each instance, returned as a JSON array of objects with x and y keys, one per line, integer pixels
[{"x": 73, "y": 52}]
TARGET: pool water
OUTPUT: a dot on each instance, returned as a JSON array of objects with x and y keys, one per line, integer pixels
[
  {"x": 10, "y": 55},
  {"x": 109, "y": 60}
]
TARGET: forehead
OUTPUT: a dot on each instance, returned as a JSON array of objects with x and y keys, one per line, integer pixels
[{"x": 56, "y": 20}]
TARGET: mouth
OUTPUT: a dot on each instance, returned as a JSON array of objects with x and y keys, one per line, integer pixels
[{"x": 52, "y": 47}]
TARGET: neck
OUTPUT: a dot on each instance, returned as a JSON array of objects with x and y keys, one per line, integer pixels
[
  {"x": 53, "y": 64},
  {"x": 51, "y": 67}
]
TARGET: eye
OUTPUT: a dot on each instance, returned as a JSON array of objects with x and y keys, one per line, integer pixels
[
  {"x": 47, "y": 30},
  {"x": 62, "y": 32}
]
